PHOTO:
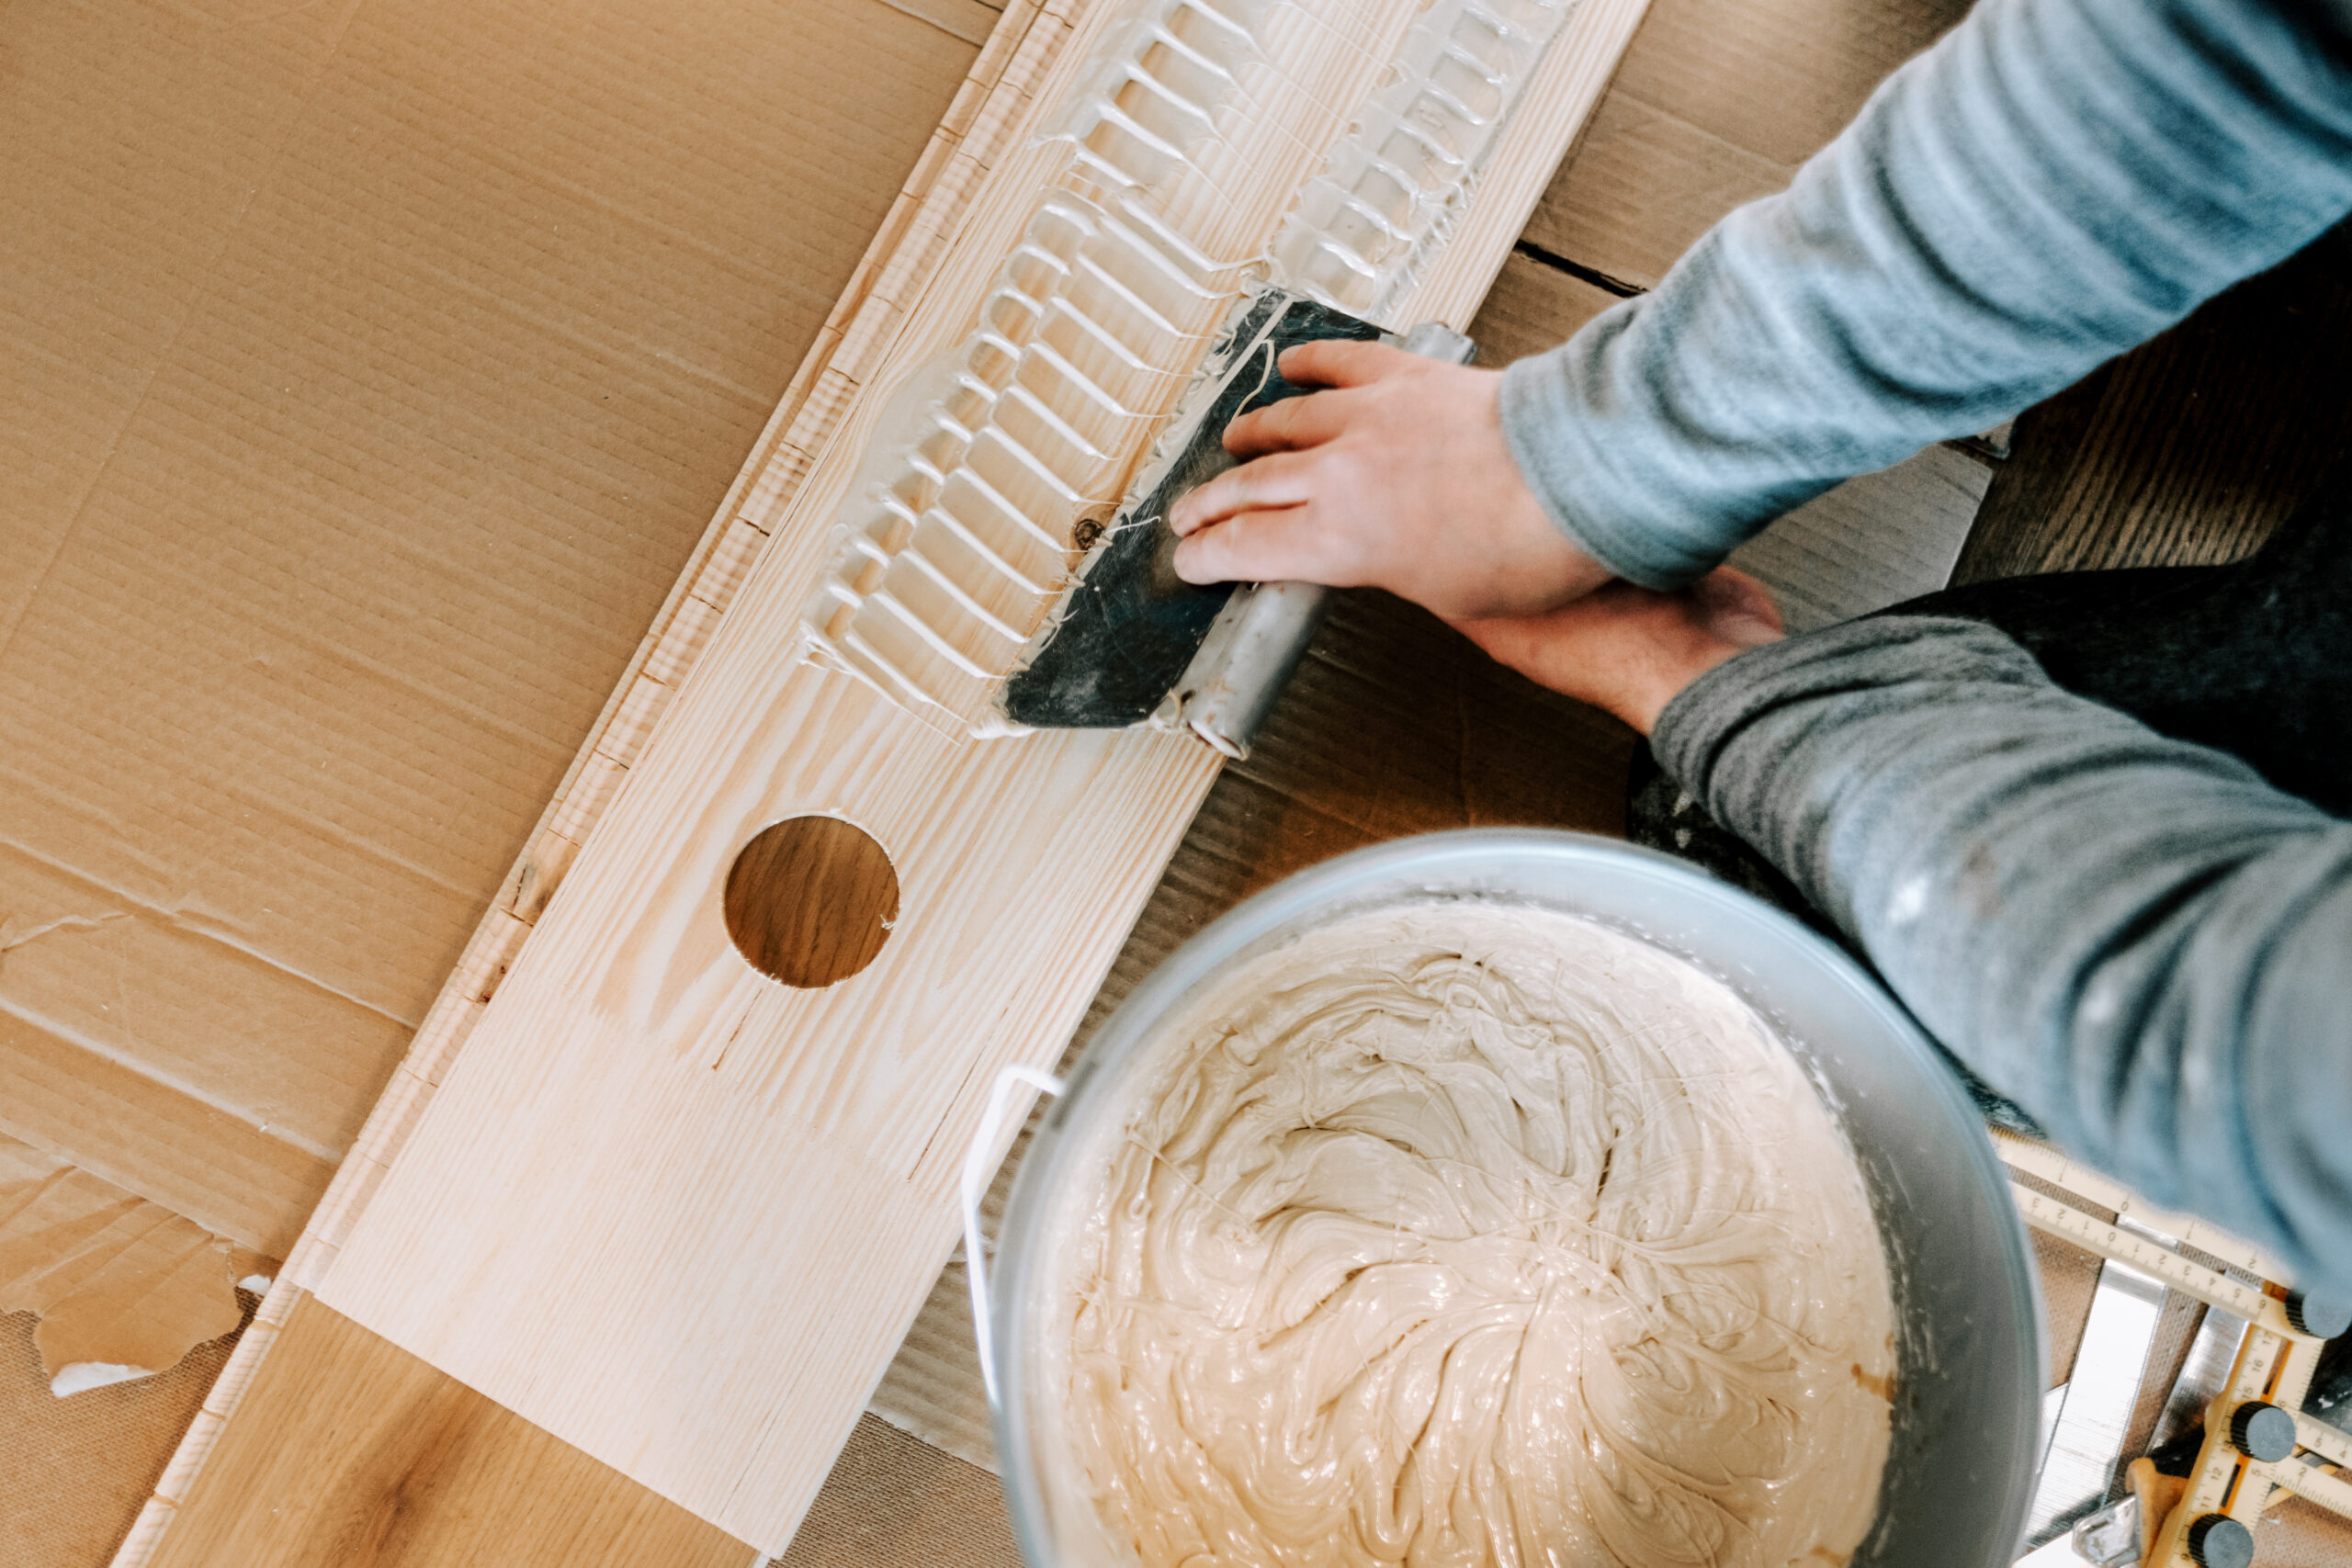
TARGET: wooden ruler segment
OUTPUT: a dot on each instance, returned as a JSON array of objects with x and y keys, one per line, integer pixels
[
  {"x": 2324, "y": 1440},
  {"x": 2217, "y": 1484},
  {"x": 2311, "y": 1484},
  {"x": 2093, "y": 1235},
  {"x": 2275, "y": 1359},
  {"x": 2277, "y": 1370},
  {"x": 2041, "y": 1160}
]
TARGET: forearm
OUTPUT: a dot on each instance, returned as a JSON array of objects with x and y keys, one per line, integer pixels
[
  {"x": 2054, "y": 182},
  {"x": 2138, "y": 939}
]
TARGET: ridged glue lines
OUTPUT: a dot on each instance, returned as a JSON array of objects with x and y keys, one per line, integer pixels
[
  {"x": 1391, "y": 191},
  {"x": 1364, "y": 121}
]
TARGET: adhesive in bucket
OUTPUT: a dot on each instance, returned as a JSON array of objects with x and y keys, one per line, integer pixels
[{"x": 1431, "y": 1205}]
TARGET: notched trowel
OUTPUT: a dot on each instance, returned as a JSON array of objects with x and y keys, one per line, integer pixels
[{"x": 1133, "y": 643}]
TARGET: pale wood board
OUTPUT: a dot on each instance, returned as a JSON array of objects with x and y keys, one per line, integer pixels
[
  {"x": 1552, "y": 114},
  {"x": 627, "y": 1013}
]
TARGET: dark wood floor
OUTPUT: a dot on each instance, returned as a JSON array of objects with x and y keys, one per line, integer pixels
[{"x": 2191, "y": 448}]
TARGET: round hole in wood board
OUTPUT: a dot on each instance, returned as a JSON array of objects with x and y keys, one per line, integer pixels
[{"x": 810, "y": 900}]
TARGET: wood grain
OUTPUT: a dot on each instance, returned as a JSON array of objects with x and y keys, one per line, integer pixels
[
  {"x": 810, "y": 900},
  {"x": 353, "y": 1454},
  {"x": 1550, "y": 116},
  {"x": 642, "y": 1142},
  {"x": 2192, "y": 447},
  {"x": 1071, "y": 322}
]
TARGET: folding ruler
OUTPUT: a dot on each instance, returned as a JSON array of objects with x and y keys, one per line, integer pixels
[{"x": 2258, "y": 1445}]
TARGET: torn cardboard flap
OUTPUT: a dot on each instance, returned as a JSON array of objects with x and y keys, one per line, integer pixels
[
  {"x": 124, "y": 1287},
  {"x": 375, "y": 368}
]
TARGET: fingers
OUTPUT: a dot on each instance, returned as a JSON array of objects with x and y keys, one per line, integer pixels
[
  {"x": 1316, "y": 417},
  {"x": 1287, "y": 425},
  {"x": 1271, "y": 482},
  {"x": 1341, "y": 362},
  {"x": 1257, "y": 547}
]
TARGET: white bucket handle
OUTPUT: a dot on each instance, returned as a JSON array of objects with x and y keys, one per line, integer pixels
[{"x": 979, "y": 1168}]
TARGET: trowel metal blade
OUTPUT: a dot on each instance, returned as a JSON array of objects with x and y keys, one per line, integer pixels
[{"x": 1129, "y": 626}]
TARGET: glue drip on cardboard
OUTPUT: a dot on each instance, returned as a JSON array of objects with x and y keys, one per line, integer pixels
[{"x": 1468, "y": 1235}]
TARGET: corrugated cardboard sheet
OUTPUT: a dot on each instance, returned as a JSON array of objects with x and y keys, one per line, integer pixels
[
  {"x": 372, "y": 368},
  {"x": 1717, "y": 103}
]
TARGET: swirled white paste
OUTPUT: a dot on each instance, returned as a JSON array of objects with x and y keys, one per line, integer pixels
[{"x": 1466, "y": 1235}]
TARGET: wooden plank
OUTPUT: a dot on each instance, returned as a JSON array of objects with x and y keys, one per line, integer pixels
[
  {"x": 669, "y": 1144},
  {"x": 1551, "y": 112},
  {"x": 2192, "y": 447},
  {"x": 353, "y": 1454},
  {"x": 1073, "y": 347}
]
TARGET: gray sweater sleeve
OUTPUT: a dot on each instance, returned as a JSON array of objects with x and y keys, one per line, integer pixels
[
  {"x": 2138, "y": 939},
  {"x": 2052, "y": 183}
]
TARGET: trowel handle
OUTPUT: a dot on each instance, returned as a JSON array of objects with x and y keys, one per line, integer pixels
[
  {"x": 1435, "y": 340},
  {"x": 1252, "y": 647},
  {"x": 1262, "y": 632}
]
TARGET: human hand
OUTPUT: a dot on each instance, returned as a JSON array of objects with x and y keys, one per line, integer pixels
[
  {"x": 1631, "y": 650},
  {"x": 1397, "y": 477}
]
